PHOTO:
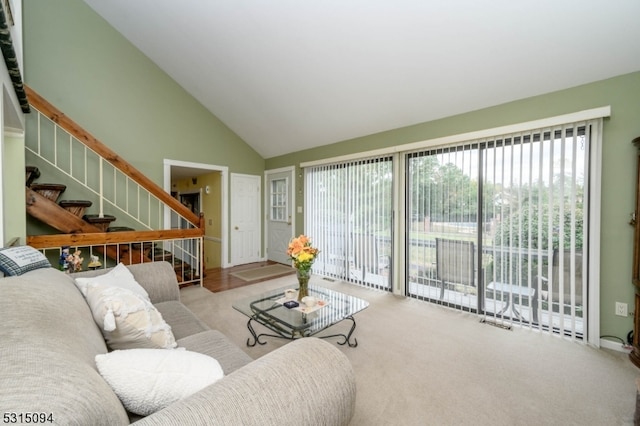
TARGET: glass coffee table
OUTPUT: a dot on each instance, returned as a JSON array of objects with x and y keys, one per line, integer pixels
[{"x": 268, "y": 309}]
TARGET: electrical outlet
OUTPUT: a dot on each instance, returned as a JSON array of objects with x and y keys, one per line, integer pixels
[{"x": 621, "y": 309}]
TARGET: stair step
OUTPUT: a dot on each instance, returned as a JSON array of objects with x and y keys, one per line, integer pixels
[
  {"x": 185, "y": 272},
  {"x": 50, "y": 191},
  {"x": 161, "y": 254},
  {"x": 145, "y": 247},
  {"x": 77, "y": 207},
  {"x": 32, "y": 173},
  {"x": 100, "y": 222},
  {"x": 133, "y": 256},
  {"x": 49, "y": 212},
  {"x": 133, "y": 246},
  {"x": 119, "y": 229}
]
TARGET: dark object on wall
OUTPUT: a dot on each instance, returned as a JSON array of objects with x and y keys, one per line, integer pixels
[{"x": 10, "y": 58}]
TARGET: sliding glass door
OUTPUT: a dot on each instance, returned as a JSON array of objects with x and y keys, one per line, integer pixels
[
  {"x": 442, "y": 207},
  {"x": 494, "y": 226},
  {"x": 497, "y": 227},
  {"x": 537, "y": 259},
  {"x": 349, "y": 216}
]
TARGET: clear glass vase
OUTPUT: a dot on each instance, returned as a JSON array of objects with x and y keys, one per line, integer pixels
[{"x": 303, "y": 281}]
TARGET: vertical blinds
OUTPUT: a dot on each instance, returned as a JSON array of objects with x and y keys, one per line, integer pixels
[
  {"x": 442, "y": 224},
  {"x": 349, "y": 216},
  {"x": 515, "y": 207},
  {"x": 538, "y": 242},
  {"x": 520, "y": 201}
]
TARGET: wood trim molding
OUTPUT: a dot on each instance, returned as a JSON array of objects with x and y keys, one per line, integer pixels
[{"x": 106, "y": 238}]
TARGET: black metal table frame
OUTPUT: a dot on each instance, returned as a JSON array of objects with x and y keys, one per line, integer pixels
[{"x": 273, "y": 323}]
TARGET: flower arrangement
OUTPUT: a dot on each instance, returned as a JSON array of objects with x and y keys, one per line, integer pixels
[{"x": 302, "y": 253}]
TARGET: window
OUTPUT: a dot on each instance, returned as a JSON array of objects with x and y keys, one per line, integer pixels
[{"x": 279, "y": 199}]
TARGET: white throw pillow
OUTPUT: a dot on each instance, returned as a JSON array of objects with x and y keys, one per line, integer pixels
[
  {"x": 120, "y": 276},
  {"x": 128, "y": 320},
  {"x": 147, "y": 380}
]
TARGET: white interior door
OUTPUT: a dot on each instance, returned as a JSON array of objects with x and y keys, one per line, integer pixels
[
  {"x": 279, "y": 217},
  {"x": 245, "y": 219}
]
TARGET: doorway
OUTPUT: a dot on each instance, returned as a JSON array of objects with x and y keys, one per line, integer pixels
[
  {"x": 210, "y": 181},
  {"x": 245, "y": 212},
  {"x": 279, "y": 218}
]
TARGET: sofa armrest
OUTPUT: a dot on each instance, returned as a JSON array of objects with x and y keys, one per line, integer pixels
[{"x": 308, "y": 381}]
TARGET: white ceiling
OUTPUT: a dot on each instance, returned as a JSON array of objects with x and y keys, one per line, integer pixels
[{"x": 287, "y": 75}]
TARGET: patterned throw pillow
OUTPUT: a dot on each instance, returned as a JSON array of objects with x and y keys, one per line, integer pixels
[
  {"x": 21, "y": 259},
  {"x": 128, "y": 320}
]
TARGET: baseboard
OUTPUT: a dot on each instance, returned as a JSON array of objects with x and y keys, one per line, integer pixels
[{"x": 613, "y": 345}]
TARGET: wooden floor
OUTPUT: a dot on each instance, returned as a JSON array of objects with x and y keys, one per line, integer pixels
[{"x": 220, "y": 279}]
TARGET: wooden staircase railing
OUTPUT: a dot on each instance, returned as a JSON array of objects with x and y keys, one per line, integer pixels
[
  {"x": 55, "y": 115},
  {"x": 77, "y": 232}
]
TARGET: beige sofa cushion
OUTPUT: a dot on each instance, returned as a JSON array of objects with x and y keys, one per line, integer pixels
[
  {"x": 49, "y": 343},
  {"x": 218, "y": 346}
]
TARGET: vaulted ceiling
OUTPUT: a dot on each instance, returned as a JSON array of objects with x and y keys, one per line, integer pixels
[{"x": 287, "y": 75}]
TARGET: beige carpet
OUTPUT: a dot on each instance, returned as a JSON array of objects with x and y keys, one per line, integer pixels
[
  {"x": 263, "y": 272},
  {"x": 420, "y": 364}
]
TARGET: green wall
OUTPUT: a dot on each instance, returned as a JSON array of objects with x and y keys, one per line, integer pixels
[
  {"x": 89, "y": 71},
  {"x": 622, "y": 93}
]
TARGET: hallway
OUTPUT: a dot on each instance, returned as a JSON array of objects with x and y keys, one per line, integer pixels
[{"x": 220, "y": 279}]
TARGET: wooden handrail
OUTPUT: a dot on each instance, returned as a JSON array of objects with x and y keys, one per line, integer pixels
[
  {"x": 55, "y": 115},
  {"x": 100, "y": 238}
]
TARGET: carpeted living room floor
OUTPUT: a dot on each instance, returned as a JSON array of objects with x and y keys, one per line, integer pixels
[{"x": 419, "y": 364}]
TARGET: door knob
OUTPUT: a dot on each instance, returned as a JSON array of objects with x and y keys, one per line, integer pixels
[{"x": 236, "y": 228}]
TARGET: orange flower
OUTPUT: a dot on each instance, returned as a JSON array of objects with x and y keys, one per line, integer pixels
[
  {"x": 302, "y": 253},
  {"x": 295, "y": 247}
]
